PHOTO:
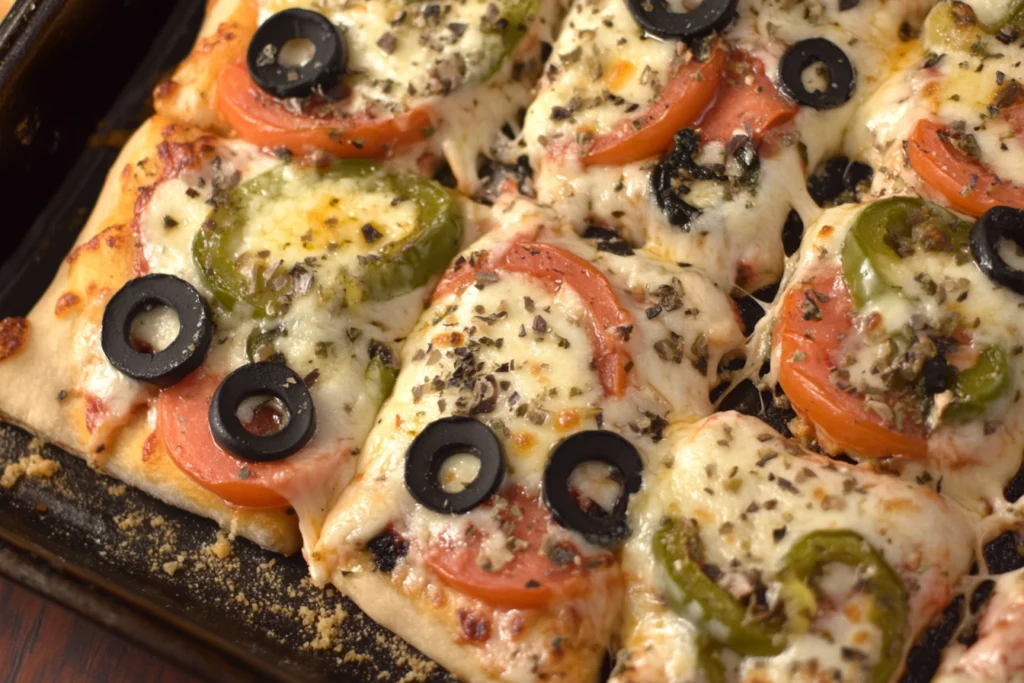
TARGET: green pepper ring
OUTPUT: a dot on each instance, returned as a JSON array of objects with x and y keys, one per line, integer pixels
[
  {"x": 398, "y": 267},
  {"x": 725, "y": 622},
  {"x": 867, "y": 255}
]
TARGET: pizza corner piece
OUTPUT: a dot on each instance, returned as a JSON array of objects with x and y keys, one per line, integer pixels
[{"x": 209, "y": 301}]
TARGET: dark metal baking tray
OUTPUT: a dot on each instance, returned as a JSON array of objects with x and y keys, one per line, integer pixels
[{"x": 75, "y": 79}]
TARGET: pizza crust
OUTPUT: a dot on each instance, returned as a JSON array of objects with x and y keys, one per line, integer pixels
[
  {"x": 429, "y": 629},
  {"x": 39, "y": 357},
  {"x": 188, "y": 95}
]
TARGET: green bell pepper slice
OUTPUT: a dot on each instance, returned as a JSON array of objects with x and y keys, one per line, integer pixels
[
  {"x": 978, "y": 386},
  {"x": 516, "y": 16},
  {"x": 692, "y": 593},
  {"x": 870, "y": 254},
  {"x": 724, "y": 621},
  {"x": 802, "y": 567},
  {"x": 387, "y": 271}
]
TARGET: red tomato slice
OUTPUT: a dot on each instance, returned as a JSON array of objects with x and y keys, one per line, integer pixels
[
  {"x": 264, "y": 120},
  {"x": 184, "y": 428},
  {"x": 755, "y": 107},
  {"x": 838, "y": 416},
  {"x": 967, "y": 184},
  {"x": 682, "y": 102},
  {"x": 531, "y": 579},
  {"x": 553, "y": 267}
]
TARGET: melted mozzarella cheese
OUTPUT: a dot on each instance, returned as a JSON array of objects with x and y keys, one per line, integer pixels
[
  {"x": 973, "y": 459},
  {"x": 753, "y": 496},
  {"x": 603, "y": 70},
  {"x": 312, "y": 216},
  {"x": 997, "y": 656},
  {"x": 449, "y": 59},
  {"x": 532, "y": 379},
  {"x": 953, "y": 75}
]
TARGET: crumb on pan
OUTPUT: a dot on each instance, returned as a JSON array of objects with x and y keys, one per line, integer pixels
[{"x": 32, "y": 465}]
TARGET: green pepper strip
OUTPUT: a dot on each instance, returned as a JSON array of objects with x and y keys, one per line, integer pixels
[
  {"x": 868, "y": 253},
  {"x": 804, "y": 562},
  {"x": 393, "y": 269},
  {"x": 517, "y": 17},
  {"x": 678, "y": 550},
  {"x": 258, "y": 340},
  {"x": 722, "y": 620},
  {"x": 978, "y": 386},
  {"x": 868, "y": 258},
  {"x": 378, "y": 373},
  {"x": 709, "y": 659},
  {"x": 1014, "y": 18}
]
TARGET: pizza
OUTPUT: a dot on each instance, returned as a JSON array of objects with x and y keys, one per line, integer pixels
[
  {"x": 454, "y": 296},
  {"x": 187, "y": 253}
]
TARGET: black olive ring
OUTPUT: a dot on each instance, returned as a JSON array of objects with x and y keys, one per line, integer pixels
[
  {"x": 594, "y": 445},
  {"x": 998, "y": 223},
  {"x": 323, "y": 71},
  {"x": 183, "y": 355},
  {"x": 441, "y": 440},
  {"x": 655, "y": 18},
  {"x": 842, "y": 79},
  {"x": 254, "y": 379}
]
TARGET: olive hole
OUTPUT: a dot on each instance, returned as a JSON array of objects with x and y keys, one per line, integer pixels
[
  {"x": 263, "y": 415},
  {"x": 816, "y": 77},
  {"x": 596, "y": 486},
  {"x": 1012, "y": 253},
  {"x": 296, "y": 53},
  {"x": 154, "y": 328},
  {"x": 458, "y": 471}
]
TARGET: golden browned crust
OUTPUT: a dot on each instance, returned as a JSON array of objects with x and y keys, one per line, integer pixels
[
  {"x": 465, "y": 638},
  {"x": 13, "y": 333},
  {"x": 105, "y": 256},
  {"x": 188, "y": 94}
]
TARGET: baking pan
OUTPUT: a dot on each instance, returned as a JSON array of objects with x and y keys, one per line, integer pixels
[{"x": 75, "y": 79}]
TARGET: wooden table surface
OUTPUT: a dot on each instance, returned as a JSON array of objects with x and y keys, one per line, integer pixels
[{"x": 42, "y": 642}]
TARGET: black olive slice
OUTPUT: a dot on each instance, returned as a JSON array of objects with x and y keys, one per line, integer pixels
[
  {"x": 321, "y": 72},
  {"x": 654, "y": 17},
  {"x": 441, "y": 440},
  {"x": 255, "y": 379},
  {"x": 600, "y": 446},
  {"x": 841, "y": 77},
  {"x": 997, "y": 224},
  {"x": 183, "y": 355},
  {"x": 837, "y": 181}
]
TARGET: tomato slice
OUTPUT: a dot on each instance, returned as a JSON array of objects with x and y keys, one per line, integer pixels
[
  {"x": 967, "y": 184},
  {"x": 264, "y": 120},
  {"x": 554, "y": 267},
  {"x": 685, "y": 97},
  {"x": 184, "y": 428},
  {"x": 755, "y": 107},
  {"x": 533, "y": 578},
  {"x": 838, "y": 416}
]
